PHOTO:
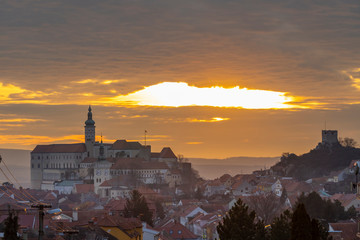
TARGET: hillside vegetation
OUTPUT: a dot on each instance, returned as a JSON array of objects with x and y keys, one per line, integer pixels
[{"x": 319, "y": 162}]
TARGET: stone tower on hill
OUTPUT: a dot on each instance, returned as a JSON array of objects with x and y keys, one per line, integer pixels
[{"x": 329, "y": 137}]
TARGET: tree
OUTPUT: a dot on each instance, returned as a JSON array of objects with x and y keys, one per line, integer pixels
[
  {"x": 300, "y": 224},
  {"x": 302, "y": 227},
  {"x": 240, "y": 224},
  {"x": 198, "y": 194},
  {"x": 319, "y": 208},
  {"x": 266, "y": 206},
  {"x": 159, "y": 209},
  {"x": 283, "y": 197},
  {"x": 11, "y": 226},
  {"x": 281, "y": 227},
  {"x": 136, "y": 206},
  {"x": 348, "y": 142}
]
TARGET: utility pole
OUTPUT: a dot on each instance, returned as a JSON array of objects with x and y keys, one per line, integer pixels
[{"x": 41, "y": 207}]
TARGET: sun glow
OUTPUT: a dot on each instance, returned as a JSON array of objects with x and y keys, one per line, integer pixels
[{"x": 178, "y": 94}]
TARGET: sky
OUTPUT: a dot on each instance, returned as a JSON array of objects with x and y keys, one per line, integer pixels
[{"x": 210, "y": 79}]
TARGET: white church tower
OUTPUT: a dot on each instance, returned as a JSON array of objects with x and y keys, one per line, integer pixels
[{"x": 90, "y": 134}]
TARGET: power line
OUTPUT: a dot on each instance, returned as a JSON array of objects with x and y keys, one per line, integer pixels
[{"x": 29, "y": 195}]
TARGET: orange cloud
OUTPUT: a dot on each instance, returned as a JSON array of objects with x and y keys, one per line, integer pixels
[
  {"x": 214, "y": 119},
  {"x": 12, "y": 120},
  {"x": 194, "y": 143},
  {"x": 354, "y": 75}
]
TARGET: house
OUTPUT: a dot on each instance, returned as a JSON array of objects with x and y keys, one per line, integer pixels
[
  {"x": 205, "y": 225},
  {"x": 177, "y": 231},
  {"x": 347, "y": 200},
  {"x": 66, "y": 186},
  {"x": 149, "y": 233},
  {"x": 242, "y": 187},
  {"x": 189, "y": 213},
  {"x": 214, "y": 187},
  {"x": 343, "y": 231},
  {"x": 277, "y": 188}
]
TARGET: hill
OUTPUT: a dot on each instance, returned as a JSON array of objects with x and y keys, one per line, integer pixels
[
  {"x": 214, "y": 168},
  {"x": 319, "y": 162}
]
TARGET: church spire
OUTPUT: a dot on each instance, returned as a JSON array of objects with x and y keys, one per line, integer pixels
[{"x": 89, "y": 132}]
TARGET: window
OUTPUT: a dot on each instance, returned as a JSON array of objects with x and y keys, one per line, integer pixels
[
  {"x": 38, "y": 165},
  {"x": 32, "y": 165}
]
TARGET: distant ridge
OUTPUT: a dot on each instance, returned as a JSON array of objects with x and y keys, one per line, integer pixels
[
  {"x": 18, "y": 161},
  {"x": 211, "y": 168}
]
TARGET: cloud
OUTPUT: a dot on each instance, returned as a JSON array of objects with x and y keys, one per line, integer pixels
[
  {"x": 354, "y": 76},
  {"x": 16, "y": 120},
  {"x": 214, "y": 119},
  {"x": 194, "y": 143},
  {"x": 97, "y": 81},
  {"x": 179, "y": 94},
  {"x": 32, "y": 140}
]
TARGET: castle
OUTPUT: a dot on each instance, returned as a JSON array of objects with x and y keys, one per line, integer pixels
[{"x": 112, "y": 169}]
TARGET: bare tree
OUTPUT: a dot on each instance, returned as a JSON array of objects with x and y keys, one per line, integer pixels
[
  {"x": 267, "y": 206},
  {"x": 348, "y": 142}
]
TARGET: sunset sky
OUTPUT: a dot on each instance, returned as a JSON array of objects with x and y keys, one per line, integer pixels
[{"x": 210, "y": 79}]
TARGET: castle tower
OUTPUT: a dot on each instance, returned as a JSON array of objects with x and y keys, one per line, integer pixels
[
  {"x": 90, "y": 133},
  {"x": 101, "y": 151},
  {"x": 329, "y": 137}
]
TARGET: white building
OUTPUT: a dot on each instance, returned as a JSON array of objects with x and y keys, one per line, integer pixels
[{"x": 95, "y": 162}]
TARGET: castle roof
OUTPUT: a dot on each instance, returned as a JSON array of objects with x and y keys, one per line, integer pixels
[
  {"x": 125, "y": 145},
  {"x": 60, "y": 148},
  {"x": 166, "y": 152}
]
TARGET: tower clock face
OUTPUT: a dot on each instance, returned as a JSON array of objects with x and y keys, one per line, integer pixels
[{"x": 98, "y": 172}]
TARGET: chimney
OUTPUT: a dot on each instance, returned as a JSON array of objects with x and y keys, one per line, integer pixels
[{"x": 75, "y": 216}]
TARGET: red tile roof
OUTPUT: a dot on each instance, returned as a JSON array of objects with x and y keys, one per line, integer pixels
[
  {"x": 345, "y": 199},
  {"x": 155, "y": 155},
  {"x": 349, "y": 230},
  {"x": 84, "y": 188},
  {"x": 125, "y": 145},
  {"x": 116, "y": 205},
  {"x": 27, "y": 220},
  {"x": 188, "y": 210},
  {"x": 60, "y": 148},
  {"x": 166, "y": 152},
  {"x": 178, "y": 231}
]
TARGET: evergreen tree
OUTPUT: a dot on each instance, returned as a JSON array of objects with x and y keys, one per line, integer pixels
[
  {"x": 318, "y": 208},
  {"x": 240, "y": 224},
  {"x": 159, "y": 210},
  {"x": 281, "y": 227},
  {"x": 136, "y": 206},
  {"x": 300, "y": 224},
  {"x": 283, "y": 196},
  {"x": 315, "y": 231},
  {"x": 11, "y": 226}
]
